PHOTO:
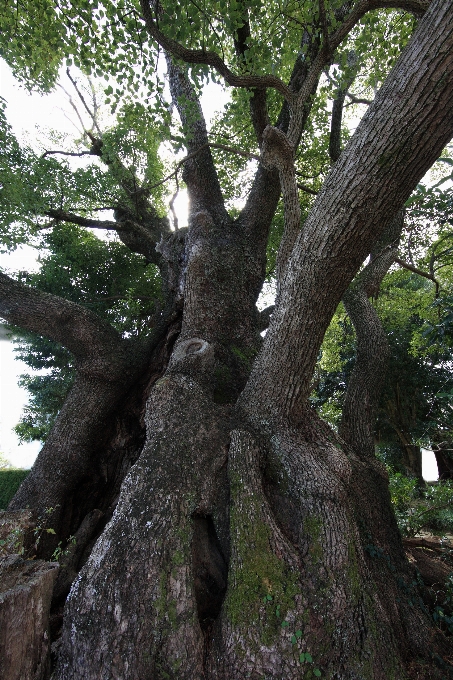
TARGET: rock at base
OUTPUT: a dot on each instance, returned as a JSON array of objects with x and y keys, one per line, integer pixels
[{"x": 25, "y": 594}]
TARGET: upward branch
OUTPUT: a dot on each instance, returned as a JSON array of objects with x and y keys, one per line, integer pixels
[
  {"x": 199, "y": 172},
  {"x": 366, "y": 381},
  {"x": 397, "y": 141}
]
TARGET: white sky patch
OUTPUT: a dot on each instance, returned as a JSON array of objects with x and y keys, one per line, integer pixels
[
  {"x": 429, "y": 466},
  {"x": 12, "y": 400}
]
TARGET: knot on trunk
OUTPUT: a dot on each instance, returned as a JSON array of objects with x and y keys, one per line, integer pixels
[
  {"x": 276, "y": 150},
  {"x": 194, "y": 357}
]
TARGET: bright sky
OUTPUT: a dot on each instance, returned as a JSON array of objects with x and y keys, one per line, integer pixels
[{"x": 24, "y": 112}]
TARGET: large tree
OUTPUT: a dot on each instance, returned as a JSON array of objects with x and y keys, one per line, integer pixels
[{"x": 237, "y": 535}]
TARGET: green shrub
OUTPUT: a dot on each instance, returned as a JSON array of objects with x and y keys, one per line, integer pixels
[
  {"x": 10, "y": 480},
  {"x": 429, "y": 508}
]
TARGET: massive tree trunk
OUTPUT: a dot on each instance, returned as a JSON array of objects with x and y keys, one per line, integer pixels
[
  {"x": 443, "y": 451},
  {"x": 250, "y": 541}
]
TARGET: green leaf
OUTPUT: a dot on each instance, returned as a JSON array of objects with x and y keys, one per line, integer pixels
[
  {"x": 285, "y": 624},
  {"x": 317, "y": 672},
  {"x": 50, "y": 531},
  {"x": 293, "y": 639},
  {"x": 298, "y": 633},
  {"x": 308, "y": 658}
]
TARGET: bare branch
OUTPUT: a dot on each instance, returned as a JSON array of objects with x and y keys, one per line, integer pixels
[
  {"x": 303, "y": 187},
  {"x": 62, "y": 216},
  {"x": 212, "y": 145},
  {"x": 420, "y": 272},
  {"x": 67, "y": 153},
  {"x": 82, "y": 99},
  {"x": 71, "y": 101},
  {"x": 357, "y": 100}
]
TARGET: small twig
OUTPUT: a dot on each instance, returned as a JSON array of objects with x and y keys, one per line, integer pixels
[
  {"x": 71, "y": 101},
  {"x": 189, "y": 157},
  {"x": 82, "y": 99}
]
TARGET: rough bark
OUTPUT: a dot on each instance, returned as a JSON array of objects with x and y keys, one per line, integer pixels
[{"x": 167, "y": 505}]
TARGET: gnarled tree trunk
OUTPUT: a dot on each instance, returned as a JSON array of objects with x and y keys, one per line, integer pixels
[{"x": 250, "y": 541}]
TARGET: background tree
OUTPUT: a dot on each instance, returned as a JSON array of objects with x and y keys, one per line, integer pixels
[{"x": 239, "y": 536}]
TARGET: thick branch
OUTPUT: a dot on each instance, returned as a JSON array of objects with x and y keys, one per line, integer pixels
[
  {"x": 209, "y": 58},
  {"x": 79, "y": 330},
  {"x": 396, "y": 142},
  {"x": 277, "y": 153},
  {"x": 258, "y": 100},
  {"x": 365, "y": 384},
  {"x": 199, "y": 172}
]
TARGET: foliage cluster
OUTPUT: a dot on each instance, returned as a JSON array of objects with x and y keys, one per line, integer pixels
[{"x": 416, "y": 509}]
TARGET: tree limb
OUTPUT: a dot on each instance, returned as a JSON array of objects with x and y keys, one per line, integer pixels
[
  {"x": 82, "y": 99},
  {"x": 357, "y": 100},
  {"x": 67, "y": 153},
  {"x": 62, "y": 216},
  {"x": 335, "y": 40},
  {"x": 79, "y": 330},
  {"x": 264, "y": 318},
  {"x": 258, "y": 100},
  {"x": 209, "y": 58},
  {"x": 137, "y": 237},
  {"x": 365, "y": 383},
  {"x": 308, "y": 190},
  {"x": 199, "y": 171}
]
